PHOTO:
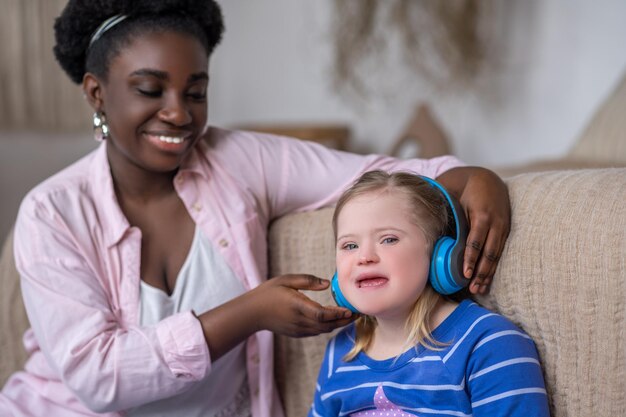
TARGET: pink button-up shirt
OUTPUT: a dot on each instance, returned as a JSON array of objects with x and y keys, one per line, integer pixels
[{"x": 79, "y": 261}]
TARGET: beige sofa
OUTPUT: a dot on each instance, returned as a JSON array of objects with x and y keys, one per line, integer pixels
[{"x": 562, "y": 277}]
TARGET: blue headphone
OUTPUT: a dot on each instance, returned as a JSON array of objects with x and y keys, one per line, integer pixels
[{"x": 446, "y": 264}]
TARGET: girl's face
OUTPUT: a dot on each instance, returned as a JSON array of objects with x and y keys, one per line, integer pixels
[
  {"x": 154, "y": 99},
  {"x": 382, "y": 256}
]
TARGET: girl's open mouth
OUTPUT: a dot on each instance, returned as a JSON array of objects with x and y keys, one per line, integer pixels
[{"x": 373, "y": 282}]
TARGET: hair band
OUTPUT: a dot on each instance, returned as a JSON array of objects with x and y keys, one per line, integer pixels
[{"x": 106, "y": 25}]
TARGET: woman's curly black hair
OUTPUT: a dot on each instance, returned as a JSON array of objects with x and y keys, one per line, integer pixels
[{"x": 80, "y": 19}]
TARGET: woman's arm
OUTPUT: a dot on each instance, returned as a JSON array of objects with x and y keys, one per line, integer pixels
[
  {"x": 290, "y": 175},
  {"x": 485, "y": 198},
  {"x": 295, "y": 175},
  {"x": 276, "y": 305}
]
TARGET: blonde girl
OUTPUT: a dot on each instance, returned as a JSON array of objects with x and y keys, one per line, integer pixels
[{"x": 414, "y": 351}]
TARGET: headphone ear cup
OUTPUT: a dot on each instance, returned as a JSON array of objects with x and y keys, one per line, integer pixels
[
  {"x": 440, "y": 276},
  {"x": 338, "y": 295},
  {"x": 446, "y": 267}
]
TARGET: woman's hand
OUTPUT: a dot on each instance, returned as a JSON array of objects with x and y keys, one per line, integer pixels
[
  {"x": 485, "y": 198},
  {"x": 276, "y": 305},
  {"x": 283, "y": 309}
]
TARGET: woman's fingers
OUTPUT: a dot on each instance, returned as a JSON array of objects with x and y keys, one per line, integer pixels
[
  {"x": 474, "y": 245},
  {"x": 327, "y": 314},
  {"x": 312, "y": 319},
  {"x": 485, "y": 199},
  {"x": 484, "y": 246},
  {"x": 292, "y": 313},
  {"x": 302, "y": 282}
]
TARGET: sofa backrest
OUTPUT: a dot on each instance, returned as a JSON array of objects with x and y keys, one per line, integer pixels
[{"x": 561, "y": 277}]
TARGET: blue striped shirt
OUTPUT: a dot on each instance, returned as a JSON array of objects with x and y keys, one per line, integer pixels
[{"x": 488, "y": 367}]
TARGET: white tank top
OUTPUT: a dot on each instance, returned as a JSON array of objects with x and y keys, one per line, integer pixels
[{"x": 205, "y": 281}]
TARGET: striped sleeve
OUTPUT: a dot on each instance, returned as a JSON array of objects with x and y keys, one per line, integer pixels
[{"x": 504, "y": 375}]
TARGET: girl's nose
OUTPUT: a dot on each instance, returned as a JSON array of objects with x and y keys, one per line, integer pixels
[{"x": 367, "y": 256}]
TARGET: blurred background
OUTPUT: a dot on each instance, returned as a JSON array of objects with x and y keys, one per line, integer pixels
[{"x": 498, "y": 83}]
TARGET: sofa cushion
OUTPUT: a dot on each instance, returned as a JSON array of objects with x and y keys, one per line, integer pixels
[{"x": 562, "y": 278}]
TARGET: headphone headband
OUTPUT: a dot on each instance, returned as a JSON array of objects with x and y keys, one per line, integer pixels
[{"x": 455, "y": 209}]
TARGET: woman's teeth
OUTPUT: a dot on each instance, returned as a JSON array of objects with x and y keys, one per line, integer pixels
[{"x": 170, "y": 139}]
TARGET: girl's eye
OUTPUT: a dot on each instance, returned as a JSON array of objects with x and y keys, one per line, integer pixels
[
  {"x": 349, "y": 246},
  {"x": 389, "y": 240}
]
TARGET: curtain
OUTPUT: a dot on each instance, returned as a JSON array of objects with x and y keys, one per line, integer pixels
[{"x": 35, "y": 94}]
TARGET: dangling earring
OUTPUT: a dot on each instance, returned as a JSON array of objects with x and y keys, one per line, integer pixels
[{"x": 100, "y": 127}]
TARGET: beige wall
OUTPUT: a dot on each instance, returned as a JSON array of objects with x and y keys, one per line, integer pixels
[
  {"x": 28, "y": 158},
  {"x": 559, "y": 59}
]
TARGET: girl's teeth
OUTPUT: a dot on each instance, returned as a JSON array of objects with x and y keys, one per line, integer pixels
[{"x": 169, "y": 139}]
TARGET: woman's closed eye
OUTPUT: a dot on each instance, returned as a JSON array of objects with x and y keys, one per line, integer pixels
[
  {"x": 197, "y": 96},
  {"x": 149, "y": 92},
  {"x": 156, "y": 93}
]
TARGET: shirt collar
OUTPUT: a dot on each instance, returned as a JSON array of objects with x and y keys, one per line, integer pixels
[
  {"x": 107, "y": 206},
  {"x": 195, "y": 162},
  {"x": 104, "y": 192}
]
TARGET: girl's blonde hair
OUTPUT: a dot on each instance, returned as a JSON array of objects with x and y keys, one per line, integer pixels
[{"x": 430, "y": 215}]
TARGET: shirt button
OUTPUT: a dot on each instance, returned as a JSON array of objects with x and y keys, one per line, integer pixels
[
  {"x": 223, "y": 243},
  {"x": 180, "y": 179},
  {"x": 255, "y": 359},
  {"x": 197, "y": 207}
]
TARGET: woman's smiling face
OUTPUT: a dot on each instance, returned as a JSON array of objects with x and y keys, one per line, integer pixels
[{"x": 155, "y": 100}]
